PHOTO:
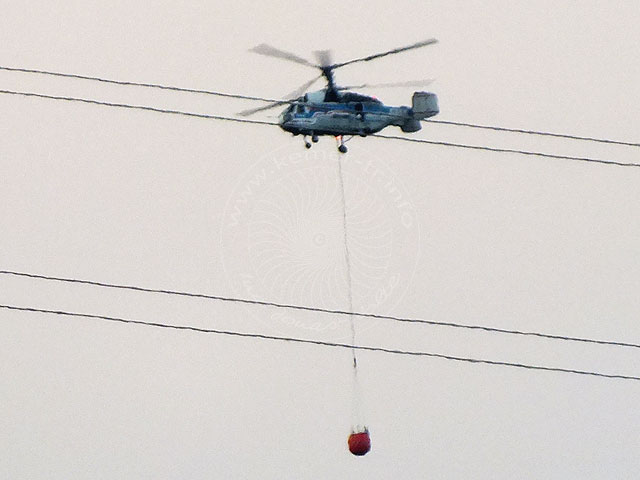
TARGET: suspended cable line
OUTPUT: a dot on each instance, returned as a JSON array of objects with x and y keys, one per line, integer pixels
[
  {"x": 146, "y": 85},
  {"x": 347, "y": 259},
  {"x": 356, "y": 401},
  {"x": 264, "y": 122},
  {"x": 317, "y": 309},
  {"x": 505, "y": 150},
  {"x": 319, "y": 342},
  {"x": 533, "y": 132},
  {"x": 138, "y": 107},
  {"x": 293, "y": 101}
]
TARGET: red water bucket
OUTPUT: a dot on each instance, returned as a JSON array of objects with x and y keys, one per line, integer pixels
[{"x": 359, "y": 443}]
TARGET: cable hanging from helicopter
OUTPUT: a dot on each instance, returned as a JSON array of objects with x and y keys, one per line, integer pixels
[{"x": 339, "y": 112}]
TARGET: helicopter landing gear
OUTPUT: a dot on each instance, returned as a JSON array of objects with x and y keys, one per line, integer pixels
[
  {"x": 314, "y": 138},
  {"x": 342, "y": 148},
  {"x": 306, "y": 142}
]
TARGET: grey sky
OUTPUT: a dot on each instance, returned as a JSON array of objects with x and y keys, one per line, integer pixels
[{"x": 188, "y": 204}]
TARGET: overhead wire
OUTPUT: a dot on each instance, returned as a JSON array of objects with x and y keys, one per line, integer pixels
[
  {"x": 320, "y": 343},
  {"x": 261, "y": 122},
  {"x": 532, "y": 132},
  {"x": 505, "y": 150},
  {"x": 318, "y": 309},
  {"x": 296, "y": 101},
  {"x": 140, "y": 84},
  {"x": 138, "y": 107},
  {"x": 265, "y": 122}
]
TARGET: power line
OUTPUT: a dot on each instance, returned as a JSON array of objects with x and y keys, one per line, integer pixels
[
  {"x": 295, "y": 101},
  {"x": 138, "y": 107},
  {"x": 263, "y": 122},
  {"x": 168, "y": 87},
  {"x": 139, "y": 84},
  {"x": 317, "y": 309},
  {"x": 506, "y": 150},
  {"x": 533, "y": 132},
  {"x": 319, "y": 342}
]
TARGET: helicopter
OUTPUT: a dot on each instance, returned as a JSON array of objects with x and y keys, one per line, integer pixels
[{"x": 339, "y": 112}]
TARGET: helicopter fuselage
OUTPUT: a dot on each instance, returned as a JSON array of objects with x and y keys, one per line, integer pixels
[
  {"x": 332, "y": 118},
  {"x": 354, "y": 114}
]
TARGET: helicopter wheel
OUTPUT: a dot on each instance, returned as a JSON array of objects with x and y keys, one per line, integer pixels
[
  {"x": 307, "y": 145},
  {"x": 314, "y": 138},
  {"x": 342, "y": 148}
]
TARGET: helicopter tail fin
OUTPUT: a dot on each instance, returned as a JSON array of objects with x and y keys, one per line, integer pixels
[{"x": 424, "y": 105}]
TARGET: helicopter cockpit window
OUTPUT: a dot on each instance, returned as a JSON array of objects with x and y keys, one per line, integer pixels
[{"x": 300, "y": 108}]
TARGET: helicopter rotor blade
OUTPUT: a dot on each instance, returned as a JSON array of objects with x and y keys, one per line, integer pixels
[
  {"x": 290, "y": 98},
  {"x": 302, "y": 89},
  {"x": 409, "y": 83},
  {"x": 424, "y": 43},
  {"x": 269, "y": 51},
  {"x": 246, "y": 113},
  {"x": 324, "y": 64}
]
